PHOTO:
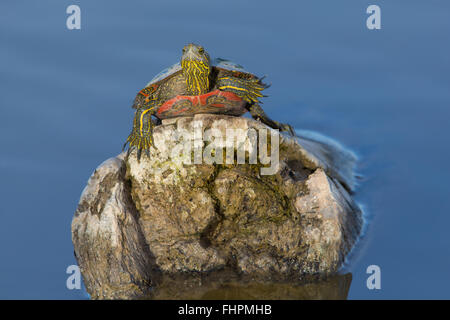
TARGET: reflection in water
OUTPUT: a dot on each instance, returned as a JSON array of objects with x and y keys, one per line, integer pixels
[{"x": 333, "y": 288}]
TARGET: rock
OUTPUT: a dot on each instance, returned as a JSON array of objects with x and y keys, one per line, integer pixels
[
  {"x": 109, "y": 245},
  {"x": 279, "y": 221}
]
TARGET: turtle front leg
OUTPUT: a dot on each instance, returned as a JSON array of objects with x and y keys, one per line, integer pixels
[
  {"x": 258, "y": 114},
  {"x": 141, "y": 136}
]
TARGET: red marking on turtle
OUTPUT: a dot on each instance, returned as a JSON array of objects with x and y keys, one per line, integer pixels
[
  {"x": 180, "y": 111},
  {"x": 201, "y": 100},
  {"x": 147, "y": 91}
]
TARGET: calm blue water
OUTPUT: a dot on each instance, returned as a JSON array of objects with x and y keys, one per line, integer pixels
[{"x": 65, "y": 98}]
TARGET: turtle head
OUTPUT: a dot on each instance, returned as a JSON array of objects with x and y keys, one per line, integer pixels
[
  {"x": 193, "y": 53},
  {"x": 196, "y": 68}
]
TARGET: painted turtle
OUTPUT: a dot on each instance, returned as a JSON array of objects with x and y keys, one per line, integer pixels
[{"x": 197, "y": 85}]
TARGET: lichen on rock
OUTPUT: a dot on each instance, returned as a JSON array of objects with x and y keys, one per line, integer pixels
[{"x": 166, "y": 214}]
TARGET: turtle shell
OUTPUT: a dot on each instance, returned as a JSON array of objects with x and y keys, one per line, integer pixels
[
  {"x": 216, "y": 101},
  {"x": 218, "y": 63}
]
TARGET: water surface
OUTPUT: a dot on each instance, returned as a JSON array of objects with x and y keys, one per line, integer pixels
[{"x": 65, "y": 98}]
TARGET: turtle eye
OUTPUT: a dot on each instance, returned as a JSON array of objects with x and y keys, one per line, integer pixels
[{"x": 201, "y": 50}]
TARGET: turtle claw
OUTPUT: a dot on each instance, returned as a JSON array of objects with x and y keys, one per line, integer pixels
[
  {"x": 139, "y": 149},
  {"x": 258, "y": 114},
  {"x": 144, "y": 145},
  {"x": 284, "y": 127},
  {"x": 141, "y": 136},
  {"x": 140, "y": 143}
]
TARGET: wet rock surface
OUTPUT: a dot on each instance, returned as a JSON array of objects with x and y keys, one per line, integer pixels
[{"x": 138, "y": 221}]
